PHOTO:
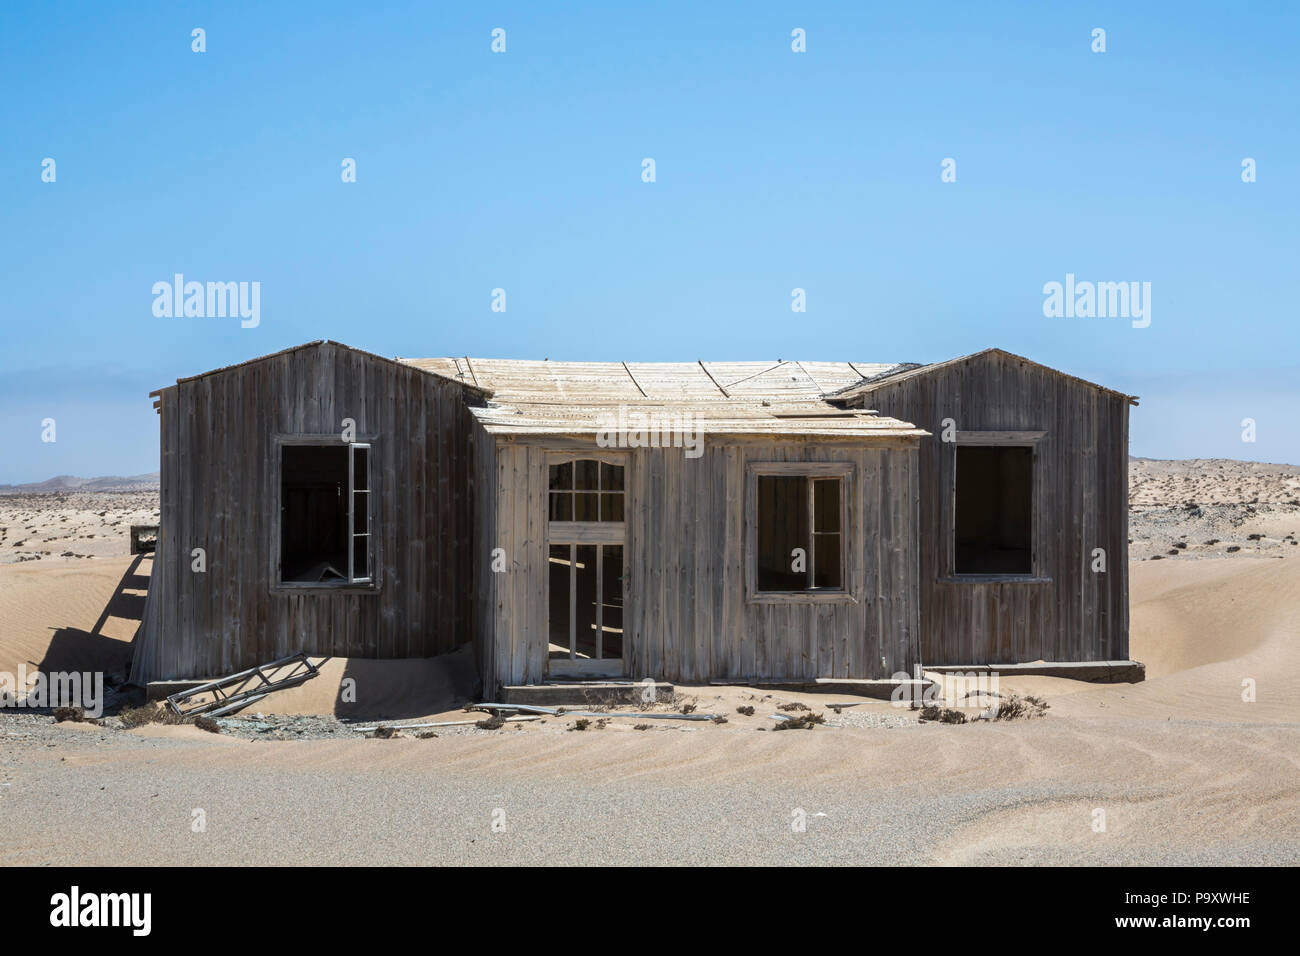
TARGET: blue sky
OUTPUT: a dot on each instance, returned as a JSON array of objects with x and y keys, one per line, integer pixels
[{"x": 774, "y": 170}]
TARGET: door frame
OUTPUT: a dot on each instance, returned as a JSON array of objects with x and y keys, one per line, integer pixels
[{"x": 574, "y": 533}]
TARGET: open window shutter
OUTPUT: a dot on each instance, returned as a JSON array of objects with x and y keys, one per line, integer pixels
[{"x": 359, "y": 550}]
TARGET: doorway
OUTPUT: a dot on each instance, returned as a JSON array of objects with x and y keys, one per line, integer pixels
[{"x": 585, "y": 610}]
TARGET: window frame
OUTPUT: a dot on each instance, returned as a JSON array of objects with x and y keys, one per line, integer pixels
[
  {"x": 846, "y": 593},
  {"x": 1023, "y": 439},
  {"x": 368, "y": 585},
  {"x": 585, "y": 532}
]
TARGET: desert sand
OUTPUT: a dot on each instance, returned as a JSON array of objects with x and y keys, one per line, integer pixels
[{"x": 1185, "y": 767}]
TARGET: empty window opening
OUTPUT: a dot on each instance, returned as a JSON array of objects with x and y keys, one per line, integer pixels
[
  {"x": 800, "y": 533},
  {"x": 586, "y": 602},
  {"x": 994, "y": 509},
  {"x": 325, "y": 514},
  {"x": 586, "y": 490}
]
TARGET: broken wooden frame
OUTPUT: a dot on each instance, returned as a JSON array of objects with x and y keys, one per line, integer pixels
[{"x": 232, "y": 693}]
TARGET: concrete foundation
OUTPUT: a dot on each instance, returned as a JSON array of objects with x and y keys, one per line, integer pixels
[{"x": 1096, "y": 672}]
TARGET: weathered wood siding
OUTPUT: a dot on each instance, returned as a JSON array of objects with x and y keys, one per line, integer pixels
[
  {"x": 686, "y": 616},
  {"x": 217, "y": 478},
  {"x": 1080, "y": 503}
]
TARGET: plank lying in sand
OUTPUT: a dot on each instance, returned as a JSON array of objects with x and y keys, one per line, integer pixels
[
  {"x": 562, "y": 712},
  {"x": 441, "y": 723}
]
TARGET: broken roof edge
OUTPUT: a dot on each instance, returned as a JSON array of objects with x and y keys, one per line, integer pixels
[
  {"x": 892, "y": 376},
  {"x": 317, "y": 343}
]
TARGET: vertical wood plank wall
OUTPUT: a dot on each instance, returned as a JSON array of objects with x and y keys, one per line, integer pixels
[
  {"x": 686, "y": 617},
  {"x": 1080, "y": 503},
  {"x": 217, "y": 478}
]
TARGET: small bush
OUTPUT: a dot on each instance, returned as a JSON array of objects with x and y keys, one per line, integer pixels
[
  {"x": 944, "y": 715},
  {"x": 719, "y": 719},
  {"x": 802, "y": 722},
  {"x": 429, "y": 735},
  {"x": 746, "y": 710},
  {"x": 640, "y": 726},
  {"x": 149, "y": 713},
  {"x": 74, "y": 714},
  {"x": 794, "y": 705},
  {"x": 208, "y": 724},
  {"x": 1015, "y": 707},
  {"x": 1234, "y": 548},
  {"x": 582, "y": 723},
  {"x": 688, "y": 708},
  {"x": 494, "y": 722}
]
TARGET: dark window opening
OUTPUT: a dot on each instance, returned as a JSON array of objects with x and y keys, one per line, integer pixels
[
  {"x": 800, "y": 533},
  {"x": 586, "y": 490},
  {"x": 324, "y": 514},
  {"x": 994, "y": 520}
]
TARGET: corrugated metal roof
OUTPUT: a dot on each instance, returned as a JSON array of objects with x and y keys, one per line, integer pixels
[{"x": 774, "y": 397}]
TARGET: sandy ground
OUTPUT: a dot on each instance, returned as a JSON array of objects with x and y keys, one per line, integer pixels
[{"x": 1182, "y": 769}]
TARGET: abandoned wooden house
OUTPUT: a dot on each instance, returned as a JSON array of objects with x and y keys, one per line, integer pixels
[{"x": 679, "y": 521}]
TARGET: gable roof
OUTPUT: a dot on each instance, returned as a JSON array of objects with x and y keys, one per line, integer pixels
[
  {"x": 738, "y": 398},
  {"x": 910, "y": 370}
]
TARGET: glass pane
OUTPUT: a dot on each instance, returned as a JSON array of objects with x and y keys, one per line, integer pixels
[
  {"x": 562, "y": 475},
  {"x": 559, "y": 600},
  {"x": 561, "y": 506},
  {"x": 584, "y": 507},
  {"x": 611, "y": 559},
  {"x": 360, "y": 512},
  {"x": 360, "y": 468},
  {"x": 585, "y": 572},
  {"x": 611, "y": 477},
  {"x": 827, "y": 572},
  {"x": 826, "y": 504},
  {"x": 586, "y": 474},
  {"x": 611, "y": 507},
  {"x": 782, "y": 531},
  {"x": 361, "y": 556}
]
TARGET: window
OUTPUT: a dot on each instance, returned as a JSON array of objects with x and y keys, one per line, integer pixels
[
  {"x": 586, "y": 490},
  {"x": 800, "y": 532},
  {"x": 993, "y": 526},
  {"x": 325, "y": 514}
]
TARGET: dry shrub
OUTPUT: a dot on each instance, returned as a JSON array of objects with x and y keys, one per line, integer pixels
[
  {"x": 74, "y": 714},
  {"x": 384, "y": 733},
  {"x": 688, "y": 708},
  {"x": 802, "y": 722},
  {"x": 208, "y": 724},
  {"x": 149, "y": 713},
  {"x": 794, "y": 705},
  {"x": 746, "y": 710},
  {"x": 719, "y": 719},
  {"x": 640, "y": 726},
  {"x": 1015, "y": 707},
  {"x": 494, "y": 722},
  {"x": 582, "y": 723},
  {"x": 944, "y": 715},
  {"x": 428, "y": 735}
]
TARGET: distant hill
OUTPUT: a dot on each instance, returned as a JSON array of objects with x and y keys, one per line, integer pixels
[{"x": 72, "y": 483}]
